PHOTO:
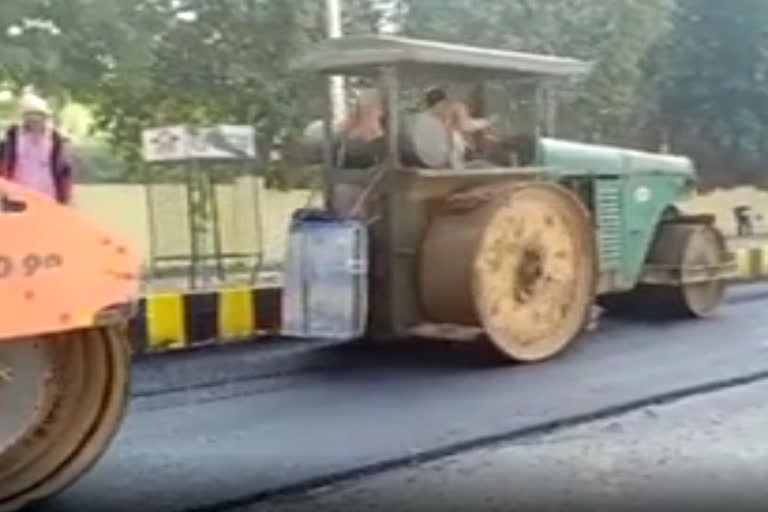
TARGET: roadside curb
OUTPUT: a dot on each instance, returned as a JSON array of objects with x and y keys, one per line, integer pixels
[
  {"x": 752, "y": 263},
  {"x": 173, "y": 321}
]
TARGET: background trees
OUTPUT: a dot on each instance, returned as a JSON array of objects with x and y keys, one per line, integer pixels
[{"x": 686, "y": 72}]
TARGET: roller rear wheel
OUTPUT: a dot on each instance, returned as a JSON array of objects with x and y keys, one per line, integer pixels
[
  {"x": 521, "y": 265},
  {"x": 62, "y": 399}
]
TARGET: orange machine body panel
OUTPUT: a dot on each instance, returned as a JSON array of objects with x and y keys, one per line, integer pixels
[{"x": 58, "y": 269}]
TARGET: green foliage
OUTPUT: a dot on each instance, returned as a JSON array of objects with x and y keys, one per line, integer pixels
[
  {"x": 711, "y": 74},
  {"x": 96, "y": 163},
  {"x": 145, "y": 63},
  {"x": 688, "y": 68},
  {"x": 615, "y": 35}
]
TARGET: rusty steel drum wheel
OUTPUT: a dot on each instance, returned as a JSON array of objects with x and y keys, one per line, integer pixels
[
  {"x": 678, "y": 245},
  {"x": 519, "y": 262},
  {"x": 62, "y": 399}
]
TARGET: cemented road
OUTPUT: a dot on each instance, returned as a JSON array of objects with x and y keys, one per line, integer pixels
[{"x": 267, "y": 423}]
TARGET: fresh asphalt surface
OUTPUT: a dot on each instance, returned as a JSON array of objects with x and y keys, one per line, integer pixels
[
  {"x": 235, "y": 424},
  {"x": 705, "y": 453}
]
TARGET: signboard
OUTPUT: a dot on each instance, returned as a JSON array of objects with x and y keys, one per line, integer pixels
[
  {"x": 163, "y": 144},
  {"x": 183, "y": 142}
]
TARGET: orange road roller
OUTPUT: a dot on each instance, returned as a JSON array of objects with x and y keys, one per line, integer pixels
[{"x": 68, "y": 289}]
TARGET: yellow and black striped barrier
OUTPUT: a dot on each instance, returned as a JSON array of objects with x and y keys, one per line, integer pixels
[
  {"x": 752, "y": 262},
  {"x": 182, "y": 320}
]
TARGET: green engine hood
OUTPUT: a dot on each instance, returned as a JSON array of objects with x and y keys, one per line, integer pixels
[{"x": 569, "y": 157}]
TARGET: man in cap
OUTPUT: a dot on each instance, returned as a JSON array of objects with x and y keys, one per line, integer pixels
[{"x": 33, "y": 153}]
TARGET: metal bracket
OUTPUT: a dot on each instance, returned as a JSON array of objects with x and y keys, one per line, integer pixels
[
  {"x": 6, "y": 374},
  {"x": 8, "y": 205},
  {"x": 676, "y": 275}
]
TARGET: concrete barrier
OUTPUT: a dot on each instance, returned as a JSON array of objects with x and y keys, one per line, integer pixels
[
  {"x": 753, "y": 263},
  {"x": 171, "y": 321}
]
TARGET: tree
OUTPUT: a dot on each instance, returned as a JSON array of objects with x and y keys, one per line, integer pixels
[
  {"x": 65, "y": 48},
  {"x": 152, "y": 62},
  {"x": 712, "y": 76},
  {"x": 616, "y": 35}
]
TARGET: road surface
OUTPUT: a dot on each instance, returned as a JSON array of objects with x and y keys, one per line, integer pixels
[
  {"x": 233, "y": 427},
  {"x": 706, "y": 453}
]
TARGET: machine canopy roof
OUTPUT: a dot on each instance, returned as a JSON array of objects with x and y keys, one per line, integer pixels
[{"x": 363, "y": 55}]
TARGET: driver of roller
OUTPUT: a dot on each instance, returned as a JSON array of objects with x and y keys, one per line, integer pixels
[{"x": 454, "y": 114}]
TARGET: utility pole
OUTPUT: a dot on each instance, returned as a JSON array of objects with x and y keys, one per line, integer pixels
[{"x": 336, "y": 86}]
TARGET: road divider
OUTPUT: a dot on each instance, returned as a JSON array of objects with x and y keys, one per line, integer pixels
[
  {"x": 171, "y": 321},
  {"x": 180, "y": 320},
  {"x": 752, "y": 262}
]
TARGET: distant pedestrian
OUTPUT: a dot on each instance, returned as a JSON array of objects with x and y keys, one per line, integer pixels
[
  {"x": 743, "y": 216},
  {"x": 34, "y": 154}
]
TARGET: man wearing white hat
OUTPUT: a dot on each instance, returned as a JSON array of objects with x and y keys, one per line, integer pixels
[{"x": 33, "y": 153}]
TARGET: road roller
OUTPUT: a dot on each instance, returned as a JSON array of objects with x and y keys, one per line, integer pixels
[
  {"x": 68, "y": 289},
  {"x": 514, "y": 243}
]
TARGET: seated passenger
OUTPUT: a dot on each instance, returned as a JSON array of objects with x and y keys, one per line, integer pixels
[
  {"x": 365, "y": 122},
  {"x": 361, "y": 138},
  {"x": 355, "y": 138}
]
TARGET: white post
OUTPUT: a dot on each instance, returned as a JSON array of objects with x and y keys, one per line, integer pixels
[{"x": 336, "y": 86}]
